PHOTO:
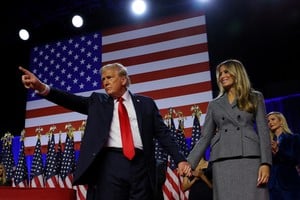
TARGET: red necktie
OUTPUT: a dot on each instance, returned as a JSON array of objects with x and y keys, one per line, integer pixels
[{"x": 126, "y": 135}]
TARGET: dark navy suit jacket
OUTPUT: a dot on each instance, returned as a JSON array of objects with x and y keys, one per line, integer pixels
[
  {"x": 283, "y": 172},
  {"x": 99, "y": 110}
]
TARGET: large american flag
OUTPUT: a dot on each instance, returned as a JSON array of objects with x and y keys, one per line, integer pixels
[{"x": 167, "y": 59}]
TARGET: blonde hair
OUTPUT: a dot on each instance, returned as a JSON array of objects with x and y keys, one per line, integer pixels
[
  {"x": 121, "y": 68},
  {"x": 246, "y": 100},
  {"x": 284, "y": 124},
  {"x": 3, "y": 175}
]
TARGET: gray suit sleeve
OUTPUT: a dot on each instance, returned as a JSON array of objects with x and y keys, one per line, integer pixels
[{"x": 208, "y": 131}]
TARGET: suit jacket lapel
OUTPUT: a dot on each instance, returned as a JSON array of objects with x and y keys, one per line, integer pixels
[
  {"x": 138, "y": 109},
  {"x": 228, "y": 108}
]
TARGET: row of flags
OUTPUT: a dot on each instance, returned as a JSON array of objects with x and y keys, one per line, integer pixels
[
  {"x": 172, "y": 186},
  {"x": 55, "y": 169}
]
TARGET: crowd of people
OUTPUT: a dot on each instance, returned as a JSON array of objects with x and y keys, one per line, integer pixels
[{"x": 254, "y": 155}]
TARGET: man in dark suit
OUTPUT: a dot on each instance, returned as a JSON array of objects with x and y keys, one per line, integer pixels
[{"x": 109, "y": 174}]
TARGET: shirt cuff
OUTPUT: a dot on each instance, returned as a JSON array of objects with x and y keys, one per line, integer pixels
[{"x": 45, "y": 91}]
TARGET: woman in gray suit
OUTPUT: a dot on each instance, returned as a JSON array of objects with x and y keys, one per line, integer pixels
[{"x": 236, "y": 128}]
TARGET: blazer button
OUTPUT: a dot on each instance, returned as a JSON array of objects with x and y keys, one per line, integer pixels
[
  {"x": 238, "y": 128},
  {"x": 225, "y": 130}
]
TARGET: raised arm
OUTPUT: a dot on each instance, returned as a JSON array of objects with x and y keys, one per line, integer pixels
[{"x": 29, "y": 80}]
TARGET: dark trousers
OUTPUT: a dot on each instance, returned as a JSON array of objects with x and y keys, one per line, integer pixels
[
  {"x": 121, "y": 179},
  {"x": 201, "y": 191},
  {"x": 161, "y": 168}
]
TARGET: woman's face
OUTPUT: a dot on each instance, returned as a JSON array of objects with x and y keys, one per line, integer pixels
[
  {"x": 225, "y": 78},
  {"x": 274, "y": 123}
]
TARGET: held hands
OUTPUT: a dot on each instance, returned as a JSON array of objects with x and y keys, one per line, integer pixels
[
  {"x": 29, "y": 80},
  {"x": 184, "y": 169}
]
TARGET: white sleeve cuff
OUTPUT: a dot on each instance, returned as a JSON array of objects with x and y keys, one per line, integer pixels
[{"x": 45, "y": 91}]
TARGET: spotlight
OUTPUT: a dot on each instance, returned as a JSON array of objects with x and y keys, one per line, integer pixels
[
  {"x": 138, "y": 6},
  {"x": 77, "y": 21},
  {"x": 24, "y": 34}
]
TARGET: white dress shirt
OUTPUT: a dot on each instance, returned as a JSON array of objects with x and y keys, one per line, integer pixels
[{"x": 114, "y": 139}]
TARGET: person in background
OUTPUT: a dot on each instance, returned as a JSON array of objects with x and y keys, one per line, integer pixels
[
  {"x": 108, "y": 171},
  {"x": 200, "y": 184},
  {"x": 284, "y": 182},
  {"x": 3, "y": 180},
  {"x": 236, "y": 129}
]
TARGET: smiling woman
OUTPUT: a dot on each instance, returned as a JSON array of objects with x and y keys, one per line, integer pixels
[{"x": 236, "y": 130}]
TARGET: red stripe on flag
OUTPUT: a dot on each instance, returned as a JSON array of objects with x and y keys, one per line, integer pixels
[
  {"x": 46, "y": 111},
  {"x": 179, "y": 91},
  {"x": 156, "y": 38},
  {"x": 168, "y": 73},
  {"x": 161, "y": 21},
  {"x": 172, "y": 187},
  {"x": 150, "y": 57}
]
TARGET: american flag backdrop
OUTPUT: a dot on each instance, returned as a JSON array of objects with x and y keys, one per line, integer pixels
[{"x": 167, "y": 59}]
